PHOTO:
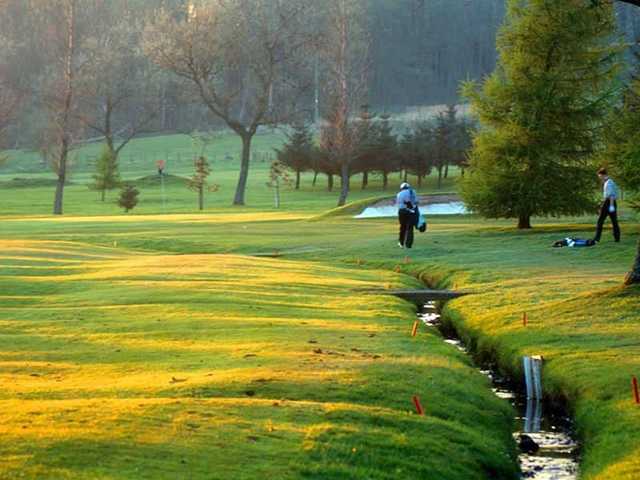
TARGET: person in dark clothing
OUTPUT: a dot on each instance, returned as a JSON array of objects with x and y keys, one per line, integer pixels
[
  {"x": 609, "y": 207},
  {"x": 407, "y": 202}
]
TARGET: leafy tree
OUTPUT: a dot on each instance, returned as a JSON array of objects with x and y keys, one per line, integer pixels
[
  {"x": 106, "y": 176},
  {"x": 541, "y": 111},
  {"x": 128, "y": 197}
]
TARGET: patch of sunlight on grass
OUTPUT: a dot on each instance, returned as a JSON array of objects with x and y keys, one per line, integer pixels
[
  {"x": 223, "y": 218},
  {"x": 161, "y": 363}
]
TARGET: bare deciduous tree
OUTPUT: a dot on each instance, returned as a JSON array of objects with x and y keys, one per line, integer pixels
[
  {"x": 117, "y": 74},
  {"x": 61, "y": 94},
  {"x": 237, "y": 55},
  {"x": 344, "y": 54},
  {"x": 12, "y": 93}
]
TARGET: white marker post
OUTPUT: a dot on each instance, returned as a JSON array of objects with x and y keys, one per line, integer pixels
[
  {"x": 533, "y": 376},
  {"x": 161, "y": 165}
]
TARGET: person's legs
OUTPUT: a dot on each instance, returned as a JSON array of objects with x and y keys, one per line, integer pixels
[
  {"x": 614, "y": 222},
  {"x": 604, "y": 211},
  {"x": 409, "y": 240},
  {"x": 403, "y": 227}
]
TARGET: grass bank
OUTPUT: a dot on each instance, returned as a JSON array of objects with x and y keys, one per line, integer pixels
[
  {"x": 580, "y": 319},
  {"x": 53, "y": 305},
  {"x": 126, "y": 364}
]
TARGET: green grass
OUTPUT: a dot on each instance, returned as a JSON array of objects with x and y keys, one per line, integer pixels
[
  {"x": 35, "y": 197},
  {"x": 113, "y": 323},
  {"x": 119, "y": 364}
]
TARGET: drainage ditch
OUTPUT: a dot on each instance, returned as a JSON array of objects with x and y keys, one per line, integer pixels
[{"x": 544, "y": 435}]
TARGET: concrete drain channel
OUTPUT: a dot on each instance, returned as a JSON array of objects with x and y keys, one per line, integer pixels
[{"x": 548, "y": 450}]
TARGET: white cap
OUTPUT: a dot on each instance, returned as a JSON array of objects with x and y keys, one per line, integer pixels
[{"x": 404, "y": 186}]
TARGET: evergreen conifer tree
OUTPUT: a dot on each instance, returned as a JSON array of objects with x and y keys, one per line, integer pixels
[
  {"x": 298, "y": 152},
  {"x": 387, "y": 155},
  {"x": 128, "y": 197},
  {"x": 198, "y": 181},
  {"x": 106, "y": 176},
  {"x": 622, "y": 152},
  {"x": 417, "y": 151},
  {"x": 541, "y": 111}
]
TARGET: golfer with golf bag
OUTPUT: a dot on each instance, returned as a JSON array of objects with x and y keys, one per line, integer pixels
[{"x": 407, "y": 203}]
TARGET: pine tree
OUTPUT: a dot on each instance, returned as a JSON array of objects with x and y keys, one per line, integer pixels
[
  {"x": 417, "y": 151},
  {"x": 106, "y": 176},
  {"x": 365, "y": 145},
  {"x": 387, "y": 143},
  {"x": 299, "y": 151},
  {"x": 622, "y": 153},
  {"x": 541, "y": 111},
  {"x": 198, "y": 180},
  {"x": 444, "y": 139},
  {"x": 128, "y": 197}
]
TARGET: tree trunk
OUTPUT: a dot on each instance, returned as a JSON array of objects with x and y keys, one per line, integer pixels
[
  {"x": 633, "y": 277},
  {"x": 108, "y": 131},
  {"x": 163, "y": 108},
  {"x": 103, "y": 195},
  {"x": 297, "y": 179},
  {"x": 315, "y": 179},
  {"x": 385, "y": 180},
  {"x": 524, "y": 221},
  {"x": 62, "y": 178},
  {"x": 66, "y": 112},
  {"x": 365, "y": 180},
  {"x": 330, "y": 182},
  {"x": 201, "y": 196},
  {"x": 439, "y": 177},
  {"x": 244, "y": 169},
  {"x": 344, "y": 191},
  {"x": 419, "y": 181},
  {"x": 405, "y": 176},
  {"x": 446, "y": 171}
]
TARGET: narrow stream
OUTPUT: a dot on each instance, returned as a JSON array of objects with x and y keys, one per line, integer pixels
[{"x": 548, "y": 451}]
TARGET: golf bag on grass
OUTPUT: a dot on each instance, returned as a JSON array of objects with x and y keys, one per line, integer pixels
[
  {"x": 421, "y": 221},
  {"x": 574, "y": 242}
]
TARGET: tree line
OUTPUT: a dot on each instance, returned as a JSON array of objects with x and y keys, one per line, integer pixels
[{"x": 381, "y": 148}]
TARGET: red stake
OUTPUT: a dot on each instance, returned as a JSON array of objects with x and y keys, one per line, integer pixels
[
  {"x": 524, "y": 319},
  {"x": 416, "y": 402},
  {"x": 415, "y": 328},
  {"x": 636, "y": 393}
]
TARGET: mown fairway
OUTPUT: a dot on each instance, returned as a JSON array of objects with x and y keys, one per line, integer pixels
[
  {"x": 117, "y": 364},
  {"x": 178, "y": 345}
]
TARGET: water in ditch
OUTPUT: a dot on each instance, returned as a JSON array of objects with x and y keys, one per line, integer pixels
[{"x": 548, "y": 451}]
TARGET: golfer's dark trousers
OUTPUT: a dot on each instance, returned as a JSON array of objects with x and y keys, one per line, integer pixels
[
  {"x": 604, "y": 213},
  {"x": 407, "y": 222}
]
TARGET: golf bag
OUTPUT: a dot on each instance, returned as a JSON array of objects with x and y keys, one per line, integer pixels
[{"x": 574, "y": 242}]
